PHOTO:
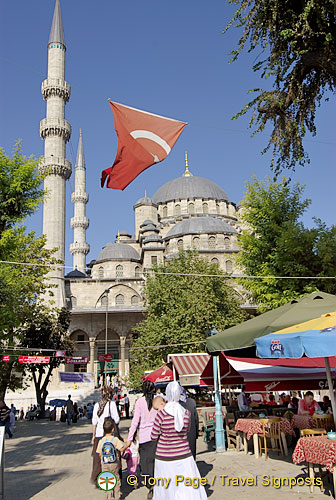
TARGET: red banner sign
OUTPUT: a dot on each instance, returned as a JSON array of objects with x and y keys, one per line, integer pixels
[
  {"x": 34, "y": 359},
  {"x": 105, "y": 357},
  {"x": 76, "y": 360},
  {"x": 5, "y": 358}
]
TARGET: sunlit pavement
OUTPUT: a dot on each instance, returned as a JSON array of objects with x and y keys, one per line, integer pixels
[{"x": 49, "y": 460}]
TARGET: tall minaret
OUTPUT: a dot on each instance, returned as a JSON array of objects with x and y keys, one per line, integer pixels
[
  {"x": 79, "y": 223},
  {"x": 55, "y": 131}
]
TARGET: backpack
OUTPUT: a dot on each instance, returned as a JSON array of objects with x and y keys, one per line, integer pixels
[{"x": 109, "y": 455}]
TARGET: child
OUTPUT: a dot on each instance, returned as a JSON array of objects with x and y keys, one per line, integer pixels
[
  {"x": 107, "y": 449},
  {"x": 132, "y": 460},
  {"x": 158, "y": 403}
]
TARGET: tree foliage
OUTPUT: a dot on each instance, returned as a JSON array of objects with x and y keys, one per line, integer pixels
[
  {"x": 180, "y": 309},
  {"x": 274, "y": 242},
  {"x": 298, "y": 43}
]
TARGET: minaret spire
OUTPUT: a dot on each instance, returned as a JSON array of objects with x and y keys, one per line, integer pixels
[
  {"x": 55, "y": 131},
  {"x": 79, "y": 223},
  {"x": 186, "y": 173},
  {"x": 56, "y": 32}
]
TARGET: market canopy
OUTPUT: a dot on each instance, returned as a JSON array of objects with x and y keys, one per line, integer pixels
[
  {"x": 282, "y": 374},
  {"x": 189, "y": 367},
  {"x": 161, "y": 375},
  {"x": 298, "y": 310}
]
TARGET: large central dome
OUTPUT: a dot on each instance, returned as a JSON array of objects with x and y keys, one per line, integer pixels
[{"x": 189, "y": 188}]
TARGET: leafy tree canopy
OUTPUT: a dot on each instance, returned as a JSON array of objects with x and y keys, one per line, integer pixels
[
  {"x": 275, "y": 243},
  {"x": 181, "y": 309},
  {"x": 298, "y": 42}
]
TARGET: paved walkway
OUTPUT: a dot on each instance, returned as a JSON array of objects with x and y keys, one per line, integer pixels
[{"x": 49, "y": 461}]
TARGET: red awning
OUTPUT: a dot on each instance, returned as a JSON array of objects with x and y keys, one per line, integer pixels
[
  {"x": 190, "y": 367},
  {"x": 229, "y": 376},
  {"x": 160, "y": 375},
  {"x": 282, "y": 374}
]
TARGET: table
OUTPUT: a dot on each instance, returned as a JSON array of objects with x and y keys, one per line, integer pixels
[
  {"x": 303, "y": 422},
  {"x": 253, "y": 426},
  {"x": 316, "y": 450}
]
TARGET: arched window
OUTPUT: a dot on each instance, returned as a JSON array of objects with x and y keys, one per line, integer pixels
[
  {"x": 104, "y": 300},
  {"x": 177, "y": 209},
  {"x": 154, "y": 260},
  {"x": 228, "y": 266},
  {"x": 165, "y": 212},
  {"x": 134, "y": 299},
  {"x": 137, "y": 271},
  {"x": 120, "y": 299},
  {"x": 119, "y": 271},
  {"x": 227, "y": 243},
  {"x": 205, "y": 208},
  {"x": 214, "y": 261},
  {"x": 191, "y": 208},
  {"x": 196, "y": 242},
  {"x": 73, "y": 301},
  {"x": 212, "y": 241},
  {"x": 180, "y": 244},
  {"x": 101, "y": 272}
]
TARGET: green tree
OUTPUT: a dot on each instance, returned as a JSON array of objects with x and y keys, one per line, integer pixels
[
  {"x": 297, "y": 40},
  {"x": 46, "y": 329},
  {"x": 20, "y": 285},
  {"x": 274, "y": 242},
  {"x": 180, "y": 309}
]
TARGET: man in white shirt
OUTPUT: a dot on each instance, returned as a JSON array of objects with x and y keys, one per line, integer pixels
[{"x": 243, "y": 401}]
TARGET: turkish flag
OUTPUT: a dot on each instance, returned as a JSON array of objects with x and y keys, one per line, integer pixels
[{"x": 143, "y": 139}]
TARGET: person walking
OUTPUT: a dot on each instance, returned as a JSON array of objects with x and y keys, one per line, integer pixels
[
  {"x": 143, "y": 419},
  {"x": 5, "y": 418},
  {"x": 190, "y": 404},
  {"x": 104, "y": 409},
  {"x": 173, "y": 456},
  {"x": 69, "y": 409},
  {"x": 108, "y": 380}
]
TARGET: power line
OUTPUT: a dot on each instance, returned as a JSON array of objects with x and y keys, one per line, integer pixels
[{"x": 197, "y": 275}]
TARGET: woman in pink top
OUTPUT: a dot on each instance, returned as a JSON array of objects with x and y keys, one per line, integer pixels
[
  {"x": 143, "y": 420},
  {"x": 307, "y": 405}
]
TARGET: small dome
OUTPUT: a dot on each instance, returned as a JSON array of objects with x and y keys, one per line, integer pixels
[
  {"x": 144, "y": 201},
  {"x": 75, "y": 274},
  {"x": 150, "y": 227},
  {"x": 189, "y": 188},
  {"x": 117, "y": 251},
  {"x": 200, "y": 225},
  {"x": 153, "y": 238},
  {"x": 146, "y": 223},
  {"x": 124, "y": 233}
]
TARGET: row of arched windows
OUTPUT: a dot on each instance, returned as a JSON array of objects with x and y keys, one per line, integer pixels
[
  {"x": 212, "y": 242},
  {"x": 120, "y": 300},
  {"x": 191, "y": 209},
  {"x": 119, "y": 272},
  {"x": 228, "y": 264}
]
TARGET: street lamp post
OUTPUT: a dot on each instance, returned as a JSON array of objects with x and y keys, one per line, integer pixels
[
  {"x": 107, "y": 291},
  {"x": 219, "y": 430}
]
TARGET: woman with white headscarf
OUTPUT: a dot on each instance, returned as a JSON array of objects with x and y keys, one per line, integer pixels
[{"x": 173, "y": 455}]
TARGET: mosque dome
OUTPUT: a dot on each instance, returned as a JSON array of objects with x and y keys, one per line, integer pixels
[
  {"x": 189, "y": 187},
  {"x": 117, "y": 251},
  {"x": 200, "y": 225},
  {"x": 144, "y": 201}
]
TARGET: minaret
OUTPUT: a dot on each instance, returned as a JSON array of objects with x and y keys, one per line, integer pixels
[
  {"x": 55, "y": 131},
  {"x": 79, "y": 223}
]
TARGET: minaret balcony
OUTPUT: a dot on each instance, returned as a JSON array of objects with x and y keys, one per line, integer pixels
[
  {"x": 79, "y": 248},
  {"x": 52, "y": 87},
  {"x": 79, "y": 222},
  {"x": 55, "y": 126},
  {"x": 52, "y": 165},
  {"x": 79, "y": 197}
]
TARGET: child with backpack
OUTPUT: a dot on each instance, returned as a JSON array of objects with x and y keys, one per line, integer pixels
[{"x": 109, "y": 448}]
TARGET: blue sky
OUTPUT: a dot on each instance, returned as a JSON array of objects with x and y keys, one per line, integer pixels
[{"x": 168, "y": 58}]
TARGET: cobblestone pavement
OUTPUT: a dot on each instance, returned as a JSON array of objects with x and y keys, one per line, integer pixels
[{"x": 49, "y": 461}]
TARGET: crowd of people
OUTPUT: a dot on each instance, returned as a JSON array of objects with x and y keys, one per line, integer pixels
[
  {"x": 303, "y": 405},
  {"x": 163, "y": 431}
]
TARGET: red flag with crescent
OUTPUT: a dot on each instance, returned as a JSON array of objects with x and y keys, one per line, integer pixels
[{"x": 143, "y": 140}]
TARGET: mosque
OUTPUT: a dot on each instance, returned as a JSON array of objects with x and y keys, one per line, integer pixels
[{"x": 107, "y": 294}]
